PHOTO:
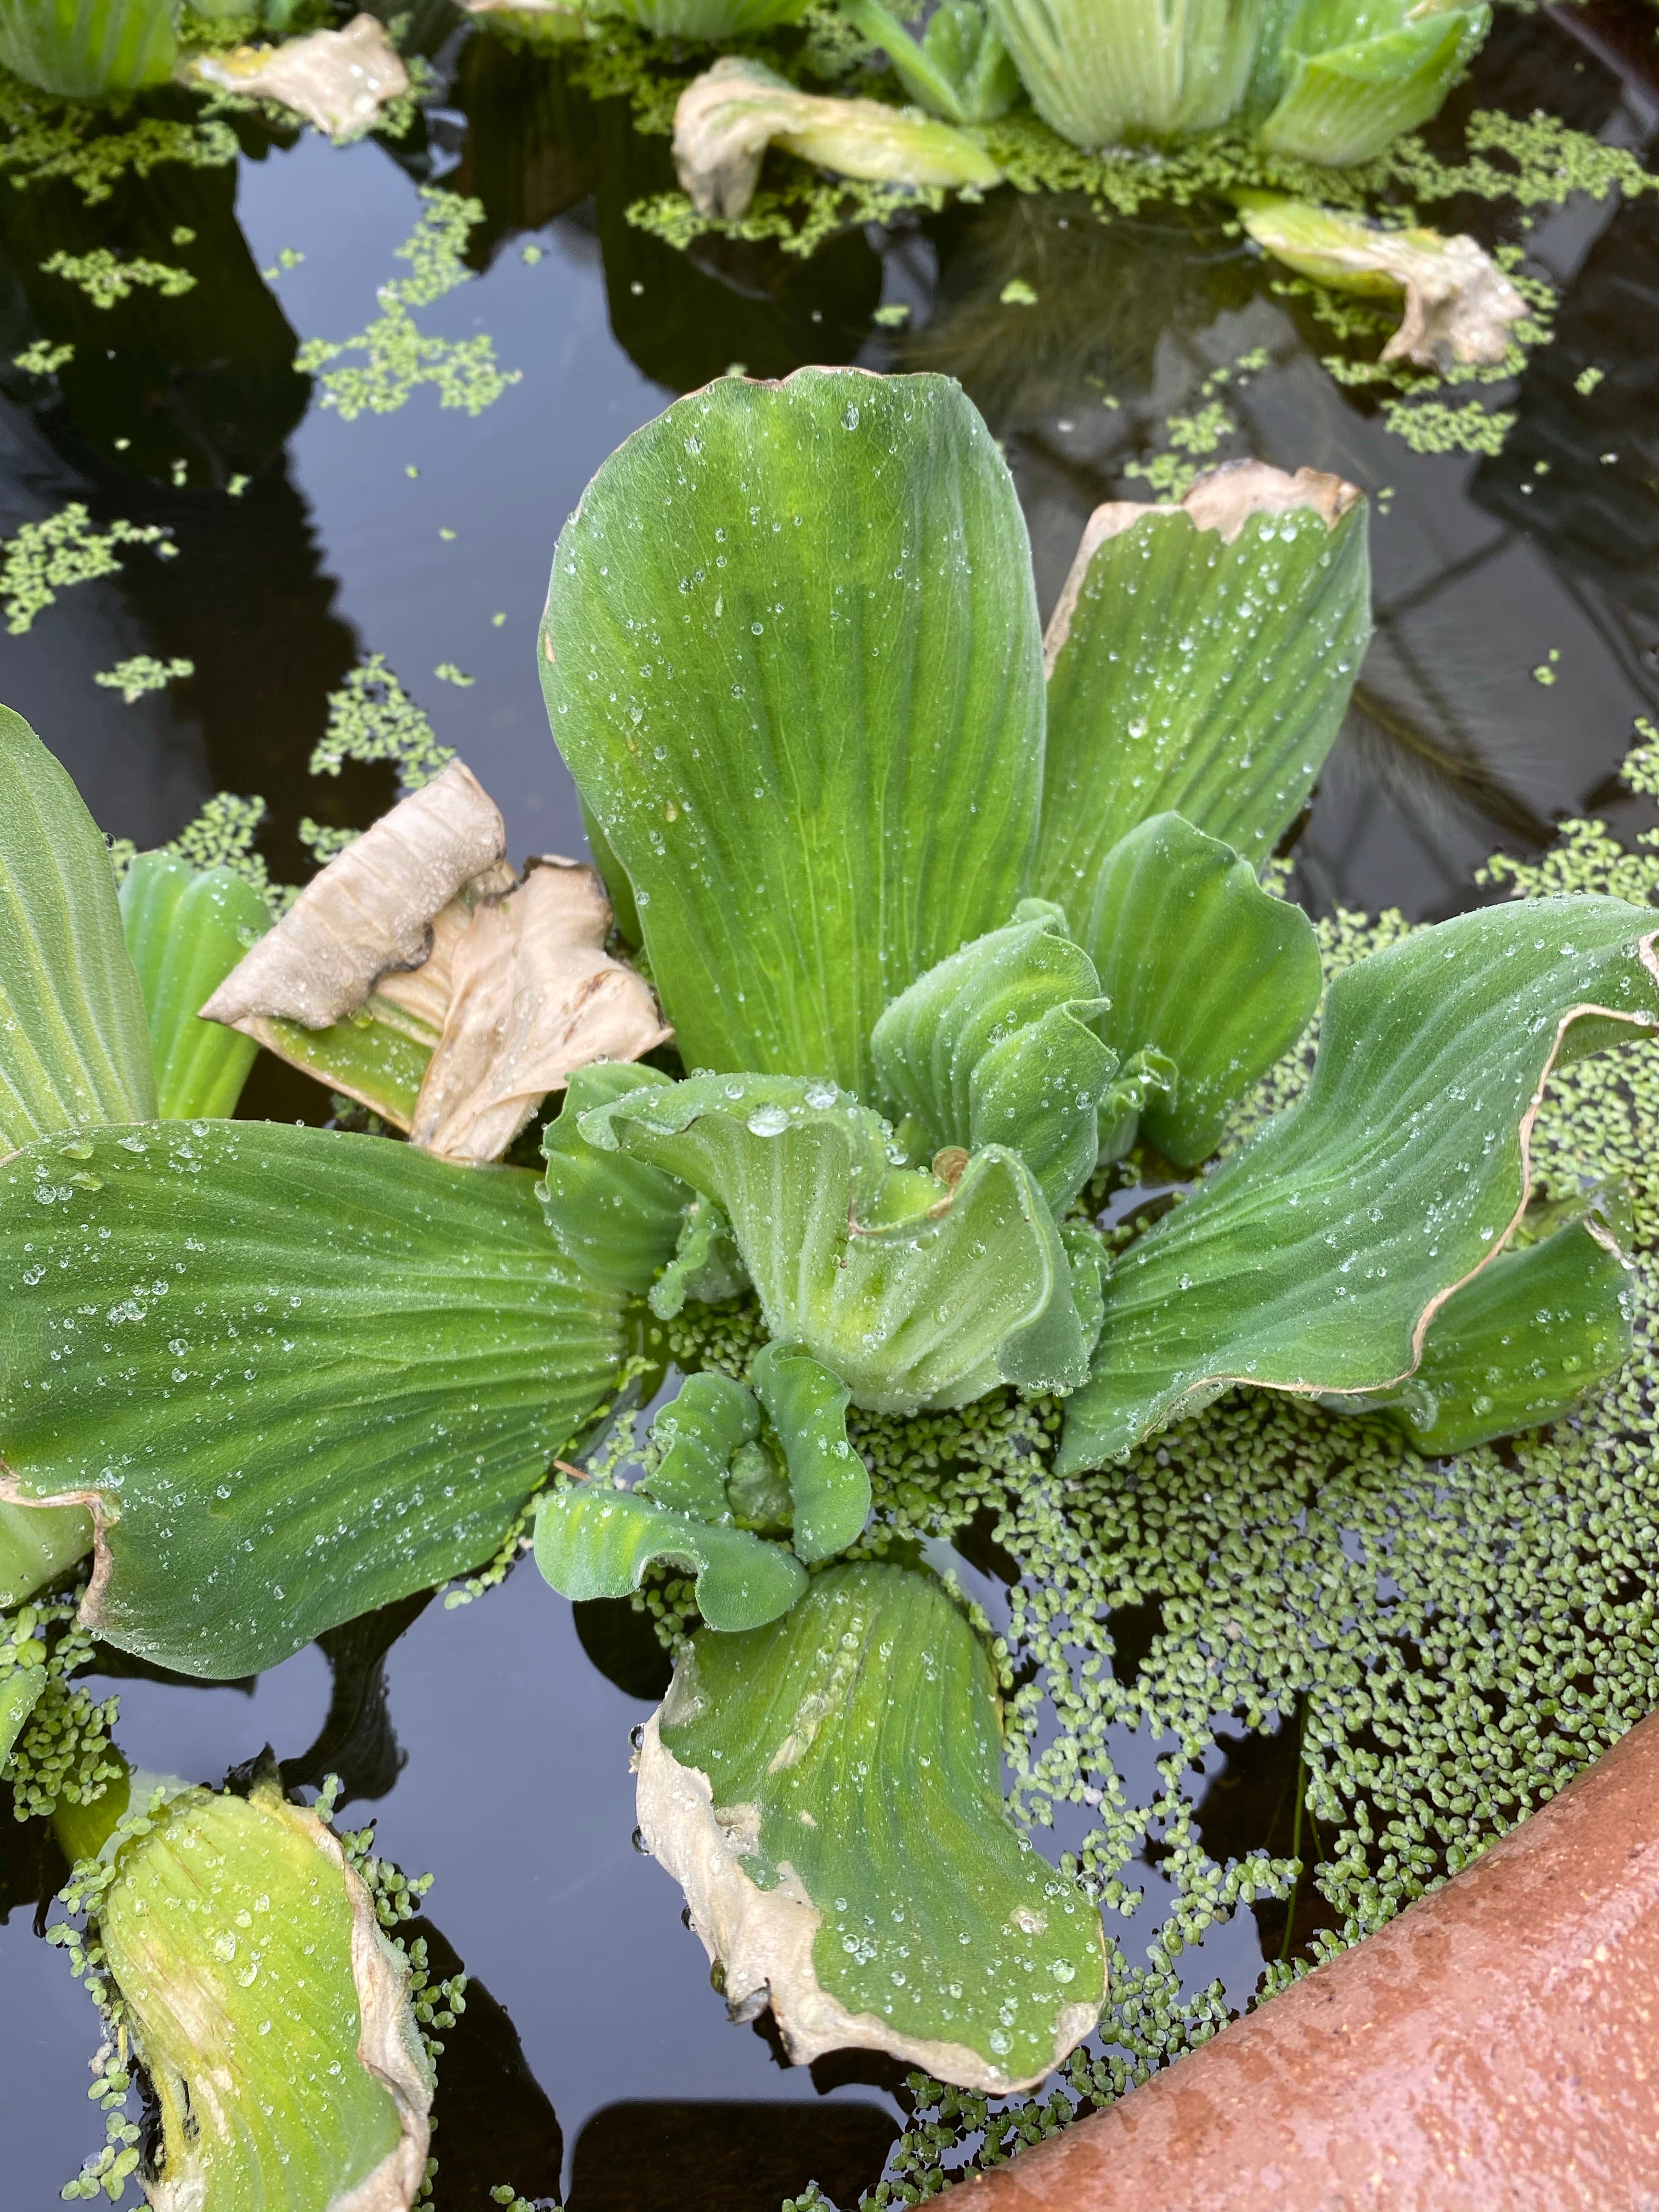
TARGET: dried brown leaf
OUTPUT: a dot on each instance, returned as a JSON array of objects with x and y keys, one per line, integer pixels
[
  {"x": 338, "y": 80},
  {"x": 371, "y": 910},
  {"x": 534, "y": 995}
]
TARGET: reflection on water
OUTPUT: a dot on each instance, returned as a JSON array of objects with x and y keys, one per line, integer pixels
[{"x": 492, "y": 1743}]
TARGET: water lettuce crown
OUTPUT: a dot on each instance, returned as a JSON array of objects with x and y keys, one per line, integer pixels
[{"x": 947, "y": 917}]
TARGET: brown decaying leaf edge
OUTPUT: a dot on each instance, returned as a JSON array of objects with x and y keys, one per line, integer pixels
[
  {"x": 338, "y": 80},
  {"x": 1223, "y": 500},
  {"x": 763, "y": 1939}
]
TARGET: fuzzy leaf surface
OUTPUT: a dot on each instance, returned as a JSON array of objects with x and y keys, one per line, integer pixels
[
  {"x": 914, "y": 1293},
  {"x": 845, "y": 1762},
  {"x": 73, "y": 1047},
  {"x": 790, "y": 656},
  {"x": 1197, "y": 961},
  {"x": 1199, "y": 674},
  {"x": 186, "y": 929},
  {"x": 593, "y": 1542},
  {"x": 1315, "y": 1258},
  {"x": 318, "y": 1372}
]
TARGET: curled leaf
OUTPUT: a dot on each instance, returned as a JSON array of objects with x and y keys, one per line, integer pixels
[
  {"x": 1316, "y": 1259},
  {"x": 37, "y": 1543},
  {"x": 1518, "y": 1346},
  {"x": 186, "y": 929},
  {"x": 727, "y": 118},
  {"x": 707, "y": 1265},
  {"x": 1459, "y": 304},
  {"x": 369, "y": 910},
  {"x": 338, "y": 80},
  {"x": 594, "y": 1542},
  {"x": 1200, "y": 662},
  {"x": 696, "y": 1435},
  {"x": 996, "y": 1045},
  {"x": 271, "y": 2014},
  {"x": 617, "y": 1218},
  {"x": 533, "y": 995},
  {"x": 828, "y": 1481},
  {"x": 914, "y": 1290},
  {"x": 825, "y": 1791},
  {"x": 1196, "y": 961}
]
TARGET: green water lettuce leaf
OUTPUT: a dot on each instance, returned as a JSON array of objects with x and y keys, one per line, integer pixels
[
  {"x": 1198, "y": 962},
  {"x": 271, "y": 2014},
  {"x": 707, "y": 1265},
  {"x": 38, "y": 1544},
  {"x": 790, "y": 655},
  {"x": 696, "y": 1436},
  {"x": 20, "y": 1693},
  {"x": 79, "y": 49},
  {"x": 827, "y": 1793},
  {"x": 594, "y": 1542},
  {"x": 1518, "y": 1346},
  {"x": 294, "y": 1375},
  {"x": 1316, "y": 1257},
  {"x": 914, "y": 1291},
  {"x": 74, "y": 1047},
  {"x": 958, "y": 69},
  {"x": 996, "y": 1045},
  {"x": 829, "y": 1482},
  {"x": 1357, "y": 73},
  {"x": 1201, "y": 659},
  {"x": 618, "y": 1219},
  {"x": 186, "y": 929},
  {"x": 1103, "y": 72}
]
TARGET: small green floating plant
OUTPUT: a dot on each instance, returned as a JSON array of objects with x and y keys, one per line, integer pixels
[{"x": 957, "y": 925}]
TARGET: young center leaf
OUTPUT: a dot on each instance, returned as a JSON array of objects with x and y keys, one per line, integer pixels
[
  {"x": 1198, "y": 962},
  {"x": 1200, "y": 662},
  {"x": 1316, "y": 1259},
  {"x": 271, "y": 2015},
  {"x": 913, "y": 1290},
  {"x": 997, "y": 1045},
  {"x": 294, "y": 1375},
  {"x": 696, "y": 1436},
  {"x": 186, "y": 929},
  {"x": 826, "y": 1791},
  {"x": 73, "y": 1047},
  {"x": 617, "y": 1218},
  {"x": 594, "y": 1542},
  {"x": 790, "y": 656},
  {"x": 829, "y": 1482},
  {"x": 1518, "y": 1346}
]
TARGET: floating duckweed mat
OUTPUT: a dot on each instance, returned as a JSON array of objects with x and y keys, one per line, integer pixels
[{"x": 1439, "y": 1644}]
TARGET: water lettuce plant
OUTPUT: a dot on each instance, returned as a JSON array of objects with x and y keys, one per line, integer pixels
[
  {"x": 958, "y": 927},
  {"x": 81, "y": 49},
  {"x": 726, "y": 119},
  {"x": 1328, "y": 81}
]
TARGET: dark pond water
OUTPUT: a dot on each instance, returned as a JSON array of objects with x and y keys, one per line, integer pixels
[{"x": 488, "y": 1743}]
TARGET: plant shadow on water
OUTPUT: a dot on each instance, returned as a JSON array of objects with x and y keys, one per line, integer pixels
[{"x": 492, "y": 1742}]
